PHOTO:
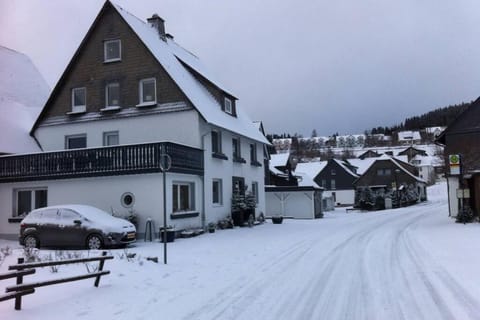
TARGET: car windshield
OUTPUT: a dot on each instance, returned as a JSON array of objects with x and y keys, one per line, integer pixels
[{"x": 93, "y": 214}]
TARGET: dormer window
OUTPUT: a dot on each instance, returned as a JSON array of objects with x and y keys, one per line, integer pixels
[
  {"x": 112, "y": 50},
  {"x": 228, "y": 106},
  {"x": 79, "y": 100},
  {"x": 148, "y": 92}
]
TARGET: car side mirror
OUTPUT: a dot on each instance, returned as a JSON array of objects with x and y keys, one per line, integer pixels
[{"x": 77, "y": 222}]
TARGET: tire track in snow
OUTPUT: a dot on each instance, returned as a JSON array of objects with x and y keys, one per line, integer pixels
[
  {"x": 340, "y": 284},
  {"x": 470, "y": 305}
]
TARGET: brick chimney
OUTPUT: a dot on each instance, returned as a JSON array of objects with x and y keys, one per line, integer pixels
[{"x": 159, "y": 24}]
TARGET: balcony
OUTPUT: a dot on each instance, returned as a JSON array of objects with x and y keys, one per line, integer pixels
[{"x": 106, "y": 161}]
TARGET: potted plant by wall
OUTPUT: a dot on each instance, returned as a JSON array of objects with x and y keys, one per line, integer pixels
[
  {"x": 277, "y": 219},
  {"x": 211, "y": 227},
  {"x": 170, "y": 231}
]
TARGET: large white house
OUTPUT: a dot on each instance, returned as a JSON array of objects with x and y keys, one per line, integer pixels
[{"x": 129, "y": 96}]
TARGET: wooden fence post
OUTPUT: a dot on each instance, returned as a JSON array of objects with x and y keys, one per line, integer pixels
[
  {"x": 100, "y": 268},
  {"x": 18, "y": 298}
]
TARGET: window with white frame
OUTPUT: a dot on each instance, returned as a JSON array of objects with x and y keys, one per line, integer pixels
[
  {"x": 255, "y": 190},
  {"x": 112, "y": 95},
  {"x": 112, "y": 50},
  {"x": 183, "y": 196},
  {"x": 333, "y": 185},
  {"x": 217, "y": 191},
  {"x": 79, "y": 99},
  {"x": 25, "y": 200},
  {"x": 148, "y": 91},
  {"x": 76, "y": 141},
  {"x": 228, "y": 106},
  {"x": 110, "y": 138}
]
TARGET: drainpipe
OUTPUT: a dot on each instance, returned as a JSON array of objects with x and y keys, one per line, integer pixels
[{"x": 203, "y": 217}]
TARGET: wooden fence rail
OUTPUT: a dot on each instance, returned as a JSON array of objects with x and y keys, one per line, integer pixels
[{"x": 20, "y": 289}]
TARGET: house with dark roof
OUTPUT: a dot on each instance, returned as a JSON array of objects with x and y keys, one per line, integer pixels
[
  {"x": 369, "y": 154},
  {"x": 130, "y": 105},
  {"x": 411, "y": 152},
  {"x": 336, "y": 177},
  {"x": 461, "y": 141},
  {"x": 389, "y": 182}
]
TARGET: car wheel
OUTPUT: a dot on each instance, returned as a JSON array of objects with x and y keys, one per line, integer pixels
[
  {"x": 31, "y": 242},
  {"x": 94, "y": 242}
]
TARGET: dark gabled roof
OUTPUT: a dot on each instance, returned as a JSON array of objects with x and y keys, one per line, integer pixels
[
  {"x": 398, "y": 163},
  {"x": 441, "y": 138},
  {"x": 370, "y": 151},
  {"x": 173, "y": 59},
  {"x": 417, "y": 151}
]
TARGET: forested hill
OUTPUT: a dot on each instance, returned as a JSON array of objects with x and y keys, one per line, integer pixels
[{"x": 440, "y": 117}]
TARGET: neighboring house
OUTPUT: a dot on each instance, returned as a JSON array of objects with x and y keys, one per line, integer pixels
[
  {"x": 280, "y": 173},
  {"x": 23, "y": 92},
  {"x": 369, "y": 154},
  {"x": 308, "y": 171},
  {"x": 409, "y": 137},
  {"x": 426, "y": 167},
  {"x": 434, "y": 132},
  {"x": 131, "y": 103},
  {"x": 462, "y": 138},
  {"x": 411, "y": 152},
  {"x": 337, "y": 179},
  {"x": 389, "y": 178}
]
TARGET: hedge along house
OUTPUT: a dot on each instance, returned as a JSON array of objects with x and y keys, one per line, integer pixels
[
  {"x": 389, "y": 178},
  {"x": 130, "y": 94}
]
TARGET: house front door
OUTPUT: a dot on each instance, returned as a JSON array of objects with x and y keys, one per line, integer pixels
[{"x": 238, "y": 185}]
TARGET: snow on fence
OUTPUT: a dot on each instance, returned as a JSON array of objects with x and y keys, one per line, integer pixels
[{"x": 20, "y": 289}]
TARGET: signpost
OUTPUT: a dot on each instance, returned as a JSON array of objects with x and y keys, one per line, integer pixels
[
  {"x": 454, "y": 162},
  {"x": 165, "y": 165}
]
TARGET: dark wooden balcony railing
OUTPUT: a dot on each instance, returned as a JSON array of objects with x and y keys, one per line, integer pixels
[{"x": 106, "y": 161}]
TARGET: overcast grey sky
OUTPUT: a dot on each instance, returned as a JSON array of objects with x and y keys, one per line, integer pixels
[{"x": 334, "y": 66}]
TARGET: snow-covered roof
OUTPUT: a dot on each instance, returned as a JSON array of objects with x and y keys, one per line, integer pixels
[
  {"x": 347, "y": 169},
  {"x": 408, "y": 135},
  {"x": 306, "y": 181},
  {"x": 23, "y": 92},
  {"x": 362, "y": 165},
  {"x": 279, "y": 159},
  {"x": 170, "y": 55},
  {"x": 311, "y": 169}
]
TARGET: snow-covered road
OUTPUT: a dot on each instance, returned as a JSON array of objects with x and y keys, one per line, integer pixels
[{"x": 408, "y": 263}]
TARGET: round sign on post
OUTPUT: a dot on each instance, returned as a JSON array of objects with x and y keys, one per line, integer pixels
[
  {"x": 454, "y": 159},
  {"x": 454, "y": 162}
]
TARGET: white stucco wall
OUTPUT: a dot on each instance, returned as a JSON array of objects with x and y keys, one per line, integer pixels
[
  {"x": 297, "y": 204},
  {"x": 226, "y": 169},
  {"x": 179, "y": 127},
  {"x": 105, "y": 193}
]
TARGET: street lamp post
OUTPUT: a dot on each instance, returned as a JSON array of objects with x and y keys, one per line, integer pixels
[{"x": 397, "y": 171}]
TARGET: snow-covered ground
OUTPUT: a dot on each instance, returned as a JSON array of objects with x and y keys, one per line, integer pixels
[{"x": 408, "y": 263}]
